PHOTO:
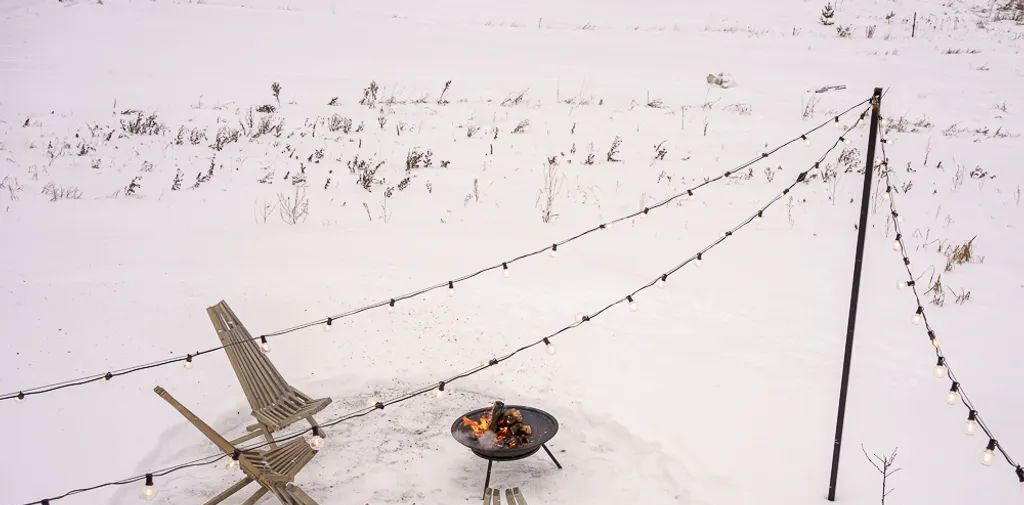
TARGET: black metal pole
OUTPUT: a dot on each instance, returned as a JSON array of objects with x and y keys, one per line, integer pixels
[{"x": 876, "y": 104}]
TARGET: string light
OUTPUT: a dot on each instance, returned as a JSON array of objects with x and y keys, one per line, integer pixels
[
  {"x": 931, "y": 338},
  {"x": 505, "y": 271},
  {"x": 940, "y": 368},
  {"x": 844, "y": 140},
  {"x": 896, "y": 243},
  {"x": 328, "y": 324},
  {"x": 954, "y": 393},
  {"x": 700, "y": 259},
  {"x": 188, "y": 362},
  {"x": 553, "y": 251},
  {"x": 885, "y": 196},
  {"x": 806, "y": 139},
  {"x": 1020, "y": 476},
  {"x": 550, "y": 347},
  {"x": 759, "y": 216},
  {"x": 837, "y": 122},
  {"x": 317, "y": 440},
  {"x": 390, "y": 307},
  {"x": 451, "y": 288},
  {"x": 632, "y": 303},
  {"x": 379, "y": 405},
  {"x": 106, "y": 377},
  {"x": 903, "y": 284},
  {"x": 990, "y": 452},
  {"x": 689, "y": 193},
  {"x": 661, "y": 281},
  {"x": 440, "y": 390},
  {"x": 20, "y": 398},
  {"x": 264, "y": 345},
  {"x": 149, "y": 490},
  {"x": 971, "y": 425}
]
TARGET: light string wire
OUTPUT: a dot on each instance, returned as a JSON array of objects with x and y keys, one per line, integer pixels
[
  {"x": 900, "y": 241},
  {"x": 380, "y": 405},
  {"x": 86, "y": 379}
]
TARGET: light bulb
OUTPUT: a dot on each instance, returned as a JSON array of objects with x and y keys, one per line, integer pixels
[
  {"x": 264, "y": 345},
  {"x": 328, "y": 324},
  {"x": 759, "y": 216},
  {"x": 632, "y": 303},
  {"x": 940, "y": 368},
  {"x": 990, "y": 453},
  {"x": 1020, "y": 476},
  {"x": 451, "y": 288},
  {"x": 188, "y": 362},
  {"x": 935, "y": 341},
  {"x": 661, "y": 281},
  {"x": 971, "y": 425},
  {"x": 20, "y": 398},
  {"x": 316, "y": 442},
  {"x": 106, "y": 378},
  {"x": 896, "y": 245},
  {"x": 372, "y": 401},
  {"x": 553, "y": 251},
  {"x": 918, "y": 316},
  {"x": 844, "y": 140},
  {"x": 902, "y": 284},
  {"x": 440, "y": 390},
  {"x": 689, "y": 195},
  {"x": 580, "y": 317},
  {"x": 149, "y": 491},
  {"x": 390, "y": 307},
  {"x": 233, "y": 461},
  {"x": 700, "y": 259},
  {"x": 550, "y": 346},
  {"x": 954, "y": 393},
  {"x": 505, "y": 271},
  {"x": 807, "y": 140}
]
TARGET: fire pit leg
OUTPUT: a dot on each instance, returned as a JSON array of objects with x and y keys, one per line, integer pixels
[
  {"x": 552, "y": 456},
  {"x": 487, "y": 482}
]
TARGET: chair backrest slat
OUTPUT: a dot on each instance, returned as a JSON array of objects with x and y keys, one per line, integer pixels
[{"x": 260, "y": 380}]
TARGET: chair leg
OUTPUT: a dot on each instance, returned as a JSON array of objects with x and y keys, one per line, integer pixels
[
  {"x": 256, "y": 496},
  {"x": 270, "y": 438},
  {"x": 229, "y": 491},
  {"x": 314, "y": 424}
]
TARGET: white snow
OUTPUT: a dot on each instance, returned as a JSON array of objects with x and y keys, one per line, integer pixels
[{"x": 720, "y": 390}]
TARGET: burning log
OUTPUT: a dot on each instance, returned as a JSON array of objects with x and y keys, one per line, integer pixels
[{"x": 501, "y": 427}]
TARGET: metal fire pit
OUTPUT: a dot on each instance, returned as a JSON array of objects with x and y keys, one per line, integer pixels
[{"x": 544, "y": 427}]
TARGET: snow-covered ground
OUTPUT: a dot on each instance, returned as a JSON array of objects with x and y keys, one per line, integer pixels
[{"x": 720, "y": 390}]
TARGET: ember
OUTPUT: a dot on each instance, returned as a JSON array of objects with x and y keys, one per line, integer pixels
[{"x": 500, "y": 428}]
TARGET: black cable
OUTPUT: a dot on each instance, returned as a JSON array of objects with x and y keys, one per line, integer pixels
[
  {"x": 21, "y": 394},
  {"x": 903, "y": 250},
  {"x": 380, "y": 405}
]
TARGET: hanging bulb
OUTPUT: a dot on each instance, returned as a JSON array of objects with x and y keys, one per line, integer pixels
[
  {"x": 940, "y": 368},
  {"x": 700, "y": 259},
  {"x": 581, "y": 317},
  {"x": 451, "y": 288},
  {"x": 316, "y": 441},
  {"x": 807, "y": 141},
  {"x": 390, "y": 307},
  {"x": 632, "y": 303},
  {"x": 20, "y": 398},
  {"x": 971, "y": 425},
  {"x": 553, "y": 251},
  {"x": 935, "y": 342},
  {"x": 106, "y": 378},
  {"x": 1020, "y": 476},
  {"x": 233, "y": 462},
  {"x": 327, "y": 326},
  {"x": 885, "y": 196},
  {"x": 440, "y": 390},
  {"x": 990, "y": 452},
  {"x": 505, "y": 271},
  {"x": 836, "y": 122},
  {"x": 759, "y": 216},
  {"x": 689, "y": 194},
  {"x": 661, "y": 281},
  {"x": 903, "y": 284},
  {"x": 188, "y": 362},
  {"x": 264, "y": 346},
  {"x": 149, "y": 491},
  {"x": 954, "y": 394},
  {"x": 918, "y": 315},
  {"x": 549, "y": 345}
]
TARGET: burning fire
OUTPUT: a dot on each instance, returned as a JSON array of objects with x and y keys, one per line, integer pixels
[{"x": 501, "y": 427}]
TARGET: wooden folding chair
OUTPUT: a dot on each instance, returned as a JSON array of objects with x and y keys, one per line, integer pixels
[
  {"x": 275, "y": 404},
  {"x": 273, "y": 469}
]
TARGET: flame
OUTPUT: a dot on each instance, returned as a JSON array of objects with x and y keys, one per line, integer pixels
[
  {"x": 485, "y": 432},
  {"x": 480, "y": 427}
]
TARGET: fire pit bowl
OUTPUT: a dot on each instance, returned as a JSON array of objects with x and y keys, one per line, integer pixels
[{"x": 544, "y": 427}]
